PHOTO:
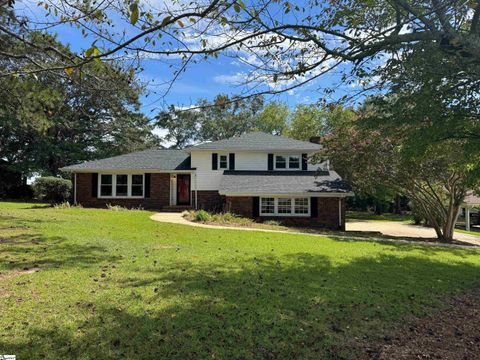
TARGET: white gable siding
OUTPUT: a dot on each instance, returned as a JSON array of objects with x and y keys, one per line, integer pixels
[{"x": 208, "y": 179}]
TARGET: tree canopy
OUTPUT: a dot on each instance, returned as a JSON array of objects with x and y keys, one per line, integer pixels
[{"x": 49, "y": 119}]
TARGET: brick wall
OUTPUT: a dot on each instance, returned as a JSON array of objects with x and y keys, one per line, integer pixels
[
  {"x": 241, "y": 205},
  {"x": 159, "y": 193},
  {"x": 327, "y": 212},
  {"x": 209, "y": 200}
]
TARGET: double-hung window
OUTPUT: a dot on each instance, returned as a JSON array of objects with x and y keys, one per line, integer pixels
[
  {"x": 106, "y": 185},
  {"x": 223, "y": 162},
  {"x": 284, "y": 206},
  {"x": 287, "y": 162},
  {"x": 121, "y": 185}
]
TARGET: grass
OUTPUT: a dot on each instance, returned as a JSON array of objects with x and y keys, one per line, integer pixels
[
  {"x": 363, "y": 215},
  {"x": 79, "y": 283},
  {"x": 471, "y": 232}
]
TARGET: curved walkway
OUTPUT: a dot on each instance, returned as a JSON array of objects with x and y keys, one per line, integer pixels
[{"x": 391, "y": 229}]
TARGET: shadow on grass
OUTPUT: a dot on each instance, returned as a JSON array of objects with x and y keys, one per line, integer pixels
[
  {"x": 26, "y": 251},
  {"x": 297, "y": 306}
]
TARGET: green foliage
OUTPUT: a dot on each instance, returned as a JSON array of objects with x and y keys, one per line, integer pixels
[
  {"x": 52, "y": 189},
  {"x": 273, "y": 118},
  {"x": 160, "y": 290},
  {"x": 51, "y": 120},
  {"x": 307, "y": 121},
  {"x": 202, "y": 215}
]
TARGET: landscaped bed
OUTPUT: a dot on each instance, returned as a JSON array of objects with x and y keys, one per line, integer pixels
[{"x": 86, "y": 283}]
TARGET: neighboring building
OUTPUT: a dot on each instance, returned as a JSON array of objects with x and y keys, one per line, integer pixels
[
  {"x": 469, "y": 211},
  {"x": 255, "y": 175}
]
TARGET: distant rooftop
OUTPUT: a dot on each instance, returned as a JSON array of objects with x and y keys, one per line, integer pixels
[
  {"x": 258, "y": 141},
  {"x": 153, "y": 159}
]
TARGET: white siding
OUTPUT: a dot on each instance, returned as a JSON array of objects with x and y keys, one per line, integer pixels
[{"x": 208, "y": 179}]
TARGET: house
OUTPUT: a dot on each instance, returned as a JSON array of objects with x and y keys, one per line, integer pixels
[
  {"x": 469, "y": 211},
  {"x": 255, "y": 175}
]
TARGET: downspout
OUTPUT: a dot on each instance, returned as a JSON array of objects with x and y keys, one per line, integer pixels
[
  {"x": 340, "y": 212},
  {"x": 196, "y": 191},
  {"x": 75, "y": 189}
]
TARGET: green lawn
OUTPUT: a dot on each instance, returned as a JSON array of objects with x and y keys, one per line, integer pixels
[
  {"x": 471, "y": 232},
  {"x": 363, "y": 215},
  {"x": 115, "y": 285}
]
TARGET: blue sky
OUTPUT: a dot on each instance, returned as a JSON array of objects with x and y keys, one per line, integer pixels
[{"x": 202, "y": 80}]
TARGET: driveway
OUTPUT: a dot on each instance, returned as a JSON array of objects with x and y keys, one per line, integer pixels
[
  {"x": 391, "y": 229},
  {"x": 399, "y": 229}
]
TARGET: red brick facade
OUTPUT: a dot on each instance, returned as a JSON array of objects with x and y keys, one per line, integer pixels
[
  {"x": 159, "y": 193},
  {"x": 328, "y": 207},
  {"x": 241, "y": 205},
  {"x": 328, "y": 212},
  {"x": 209, "y": 200}
]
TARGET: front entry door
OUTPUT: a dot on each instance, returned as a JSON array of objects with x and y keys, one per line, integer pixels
[{"x": 183, "y": 189}]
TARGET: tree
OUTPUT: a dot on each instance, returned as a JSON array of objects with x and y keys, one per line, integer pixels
[
  {"x": 49, "y": 120},
  {"x": 436, "y": 179},
  {"x": 307, "y": 121},
  {"x": 220, "y": 119},
  {"x": 273, "y": 118},
  {"x": 309, "y": 39}
]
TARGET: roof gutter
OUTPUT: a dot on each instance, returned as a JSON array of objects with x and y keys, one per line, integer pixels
[{"x": 307, "y": 194}]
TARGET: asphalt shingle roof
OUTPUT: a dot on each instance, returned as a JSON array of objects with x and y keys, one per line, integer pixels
[
  {"x": 278, "y": 182},
  {"x": 258, "y": 141},
  {"x": 153, "y": 159}
]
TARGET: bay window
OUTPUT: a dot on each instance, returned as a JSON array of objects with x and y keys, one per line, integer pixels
[
  {"x": 284, "y": 206},
  {"x": 121, "y": 185}
]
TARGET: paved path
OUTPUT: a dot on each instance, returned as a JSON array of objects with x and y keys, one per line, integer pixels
[
  {"x": 399, "y": 229},
  {"x": 388, "y": 228}
]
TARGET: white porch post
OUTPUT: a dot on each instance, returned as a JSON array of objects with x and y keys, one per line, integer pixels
[{"x": 467, "y": 218}]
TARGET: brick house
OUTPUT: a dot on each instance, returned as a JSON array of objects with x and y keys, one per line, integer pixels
[{"x": 255, "y": 175}]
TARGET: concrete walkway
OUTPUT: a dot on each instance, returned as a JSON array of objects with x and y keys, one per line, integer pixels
[
  {"x": 399, "y": 229},
  {"x": 391, "y": 229}
]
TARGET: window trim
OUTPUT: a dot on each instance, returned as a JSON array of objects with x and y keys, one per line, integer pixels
[
  {"x": 292, "y": 206},
  {"x": 219, "y": 162},
  {"x": 287, "y": 162},
  {"x": 114, "y": 186}
]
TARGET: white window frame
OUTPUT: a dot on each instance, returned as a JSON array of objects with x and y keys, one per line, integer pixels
[
  {"x": 114, "y": 186},
  {"x": 287, "y": 161},
  {"x": 292, "y": 204},
  {"x": 219, "y": 162}
]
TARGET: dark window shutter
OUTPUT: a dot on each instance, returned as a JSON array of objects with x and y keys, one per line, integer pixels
[
  {"x": 255, "y": 206},
  {"x": 314, "y": 207},
  {"x": 270, "y": 161},
  {"x": 214, "y": 161},
  {"x": 147, "y": 185},
  {"x": 94, "y": 185},
  {"x": 304, "y": 161},
  {"x": 231, "y": 161}
]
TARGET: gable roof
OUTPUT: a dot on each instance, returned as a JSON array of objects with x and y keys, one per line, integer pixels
[
  {"x": 258, "y": 141},
  {"x": 153, "y": 159},
  {"x": 282, "y": 182}
]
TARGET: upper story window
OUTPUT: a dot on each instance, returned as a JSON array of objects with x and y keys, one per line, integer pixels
[
  {"x": 287, "y": 162},
  {"x": 121, "y": 185},
  {"x": 223, "y": 162}
]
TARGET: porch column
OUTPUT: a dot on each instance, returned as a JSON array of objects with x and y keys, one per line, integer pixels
[{"x": 467, "y": 218}]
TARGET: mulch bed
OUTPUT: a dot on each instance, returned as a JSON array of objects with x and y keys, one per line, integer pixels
[{"x": 453, "y": 333}]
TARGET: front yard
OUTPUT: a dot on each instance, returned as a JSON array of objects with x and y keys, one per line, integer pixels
[{"x": 83, "y": 283}]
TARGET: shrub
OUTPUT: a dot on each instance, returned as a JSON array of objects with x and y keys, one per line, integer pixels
[
  {"x": 202, "y": 215},
  {"x": 66, "y": 205},
  {"x": 52, "y": 189},
  {"x": 272, "y": 222}
]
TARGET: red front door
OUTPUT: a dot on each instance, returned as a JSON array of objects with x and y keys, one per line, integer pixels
[{"x": 183, "y": 189}]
